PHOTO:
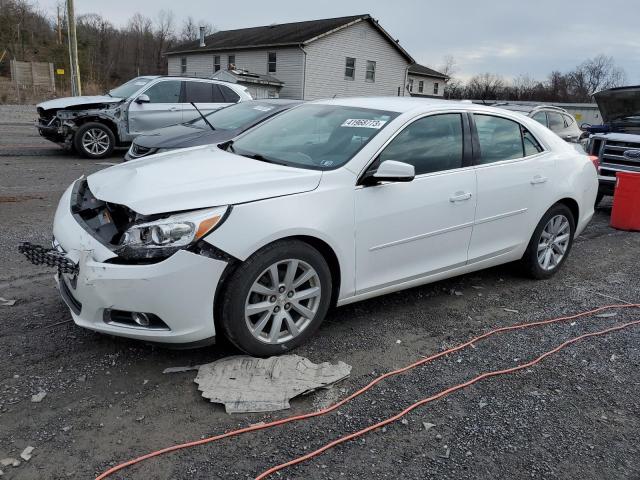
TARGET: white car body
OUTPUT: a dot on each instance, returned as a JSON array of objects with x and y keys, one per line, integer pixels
[{"x": 385, "y": 238}]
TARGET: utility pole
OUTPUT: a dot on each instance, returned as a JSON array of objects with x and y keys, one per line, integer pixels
[
  {"x": 76, "y": 88},
  {"x": 59, "y": 27}
]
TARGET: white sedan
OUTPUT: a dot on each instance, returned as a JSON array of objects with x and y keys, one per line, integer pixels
[{"x": 329, "y": 203}]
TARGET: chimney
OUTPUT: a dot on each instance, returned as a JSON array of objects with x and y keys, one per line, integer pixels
[{"x": 202, "y": 36}]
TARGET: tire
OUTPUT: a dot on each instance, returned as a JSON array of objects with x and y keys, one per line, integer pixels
[
  {"x": 599, "y": 198},
  {"x": 263, "y": 320},
  {"x": 94, "y": 140},
  {"x": 532, "y": 264}
]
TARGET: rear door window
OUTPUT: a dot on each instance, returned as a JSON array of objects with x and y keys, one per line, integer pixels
[
  {"x": 541, "y": 117},
  {"x": 500, "y": 139},
  {"x": 229, "y": 95},
  {"x": 198, "y": 92},
  {"x": 167, "y": 91},
  {"x": 556, "y": 122}
]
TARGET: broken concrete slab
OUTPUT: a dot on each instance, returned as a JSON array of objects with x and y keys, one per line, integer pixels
[
  {"x": 10, "y": 461},
  {"x": 38, "y": 397},
  {"x": 247, "y": 384},
  {"x": 7, "y": 303},
  {"x": 27, "y": 453}
]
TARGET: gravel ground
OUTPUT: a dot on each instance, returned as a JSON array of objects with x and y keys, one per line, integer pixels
[{"x": 574, "y": 416}]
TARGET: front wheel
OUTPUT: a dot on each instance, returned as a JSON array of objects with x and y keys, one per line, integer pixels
[
  {"x": 550, "y": 243},
  {"x": 276, "y": 299},
  {"x": 94, "y": 140}
]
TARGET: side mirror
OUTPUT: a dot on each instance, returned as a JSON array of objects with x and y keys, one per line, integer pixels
[
  {"x": 390, "y": 171},
  {"x": 143, "y": 98}
]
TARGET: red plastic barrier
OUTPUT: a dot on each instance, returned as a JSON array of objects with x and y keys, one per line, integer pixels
[{"x": 626, "y": 202}]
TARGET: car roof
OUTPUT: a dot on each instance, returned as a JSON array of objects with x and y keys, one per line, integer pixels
[
  {"x": 275, "y": 101},
  {"x": 519, "y": 107}
]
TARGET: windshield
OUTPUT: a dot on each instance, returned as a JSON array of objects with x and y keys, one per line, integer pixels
[
  {"x": 312, "y": 136},
  {"x": 236, "y": 116},
  {"x": 127, "y": 89}
]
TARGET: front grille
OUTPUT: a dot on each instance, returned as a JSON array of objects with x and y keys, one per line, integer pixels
[
  {"x": 105, "y": 221},
  {"x": 612, "y": 153},
  {"x": 140, "y": 151}
]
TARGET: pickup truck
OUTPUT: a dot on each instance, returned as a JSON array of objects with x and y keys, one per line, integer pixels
[{"x": 616, "y": 143}]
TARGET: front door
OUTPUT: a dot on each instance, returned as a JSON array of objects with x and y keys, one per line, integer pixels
[
  {"x": 405, "y": 231},
  {"x": 163, "y": 109}
]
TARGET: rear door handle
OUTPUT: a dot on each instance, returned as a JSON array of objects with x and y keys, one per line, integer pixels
[
  {"x": 538, "y": 179},
  {"x": 459, "y": 197},
  {"x": 173, "y": 109}
]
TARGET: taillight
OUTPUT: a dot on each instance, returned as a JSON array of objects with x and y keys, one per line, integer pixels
[{"x": 595, "y": 160}]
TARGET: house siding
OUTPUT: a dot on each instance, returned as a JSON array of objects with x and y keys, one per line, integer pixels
[
  {"x": 428, "y": 85},
  {"x": 289, "y": 66},
  {"x": 325, "y": 64}
]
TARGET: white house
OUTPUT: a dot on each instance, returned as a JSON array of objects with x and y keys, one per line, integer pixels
[
  {"x": 347, "y": 56},
  {"x": 425, "y": 82}
]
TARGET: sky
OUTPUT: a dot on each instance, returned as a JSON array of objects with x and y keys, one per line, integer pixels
[{"x": 505, "y": 37}]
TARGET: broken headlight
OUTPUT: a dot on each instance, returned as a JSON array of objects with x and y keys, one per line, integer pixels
[{"x": 162, "y": 238}]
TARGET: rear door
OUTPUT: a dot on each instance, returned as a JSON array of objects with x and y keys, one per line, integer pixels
[
  {"x": 206, "y": 96},
  {"x": 515, "y": 177},
  {"x": 164, "y": 107}
]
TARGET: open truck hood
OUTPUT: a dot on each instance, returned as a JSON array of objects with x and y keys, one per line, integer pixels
[
  {"x": 197, "y": 177},
  {"x": 619, "y": 105},
  {"x": 88, "y": 101}
]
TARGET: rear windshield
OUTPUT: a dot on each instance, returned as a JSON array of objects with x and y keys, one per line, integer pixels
[{"x": 313, "y": 136}]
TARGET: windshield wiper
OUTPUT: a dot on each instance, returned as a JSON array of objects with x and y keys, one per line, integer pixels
[
  {"x": 257, "y": 156},
  {"x": 203, "y": 117}
]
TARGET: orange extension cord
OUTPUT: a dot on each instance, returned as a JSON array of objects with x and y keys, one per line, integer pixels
[{"x": 422, "y": 361}]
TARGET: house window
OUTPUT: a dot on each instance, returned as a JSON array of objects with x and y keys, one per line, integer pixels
[
  {"x": 435, "y": 88},
  {"x": 271, "y": 62},
  {"x": 411, "y": 85},
  {"x": 350, "y": 69},
  {"x": 370, "y": 75},
  {"x": 183, "y": 65},
  {"x": 231, "y": 62},
  {"x": 216, "y": 63},
  {"x": 421, "y": 86}
]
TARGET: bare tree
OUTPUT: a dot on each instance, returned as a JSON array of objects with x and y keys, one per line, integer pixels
[
  {"x": 449, "y": 66},
  {"x": 485, "y": 86}
]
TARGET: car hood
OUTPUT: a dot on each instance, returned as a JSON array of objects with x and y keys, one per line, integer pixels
[
  {"x": 197, "y": 177},
  {"x": 181, "y": 136},
  {"x": 67, "y": 102},
  {"x": 619, "y": 105}
]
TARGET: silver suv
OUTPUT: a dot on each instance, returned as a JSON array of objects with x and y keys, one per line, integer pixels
[
  {"x": 95, "y": 125},
  {"x": 557, "y": 119}
]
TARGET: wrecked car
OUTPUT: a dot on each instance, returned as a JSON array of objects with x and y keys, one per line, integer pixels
[
  {"x": 616, "y": 143},
  {"x": 94, "y": 125},
  {"x": 327, "y": 203}
]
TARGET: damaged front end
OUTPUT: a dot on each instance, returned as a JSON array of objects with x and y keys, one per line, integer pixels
[{"x": 59, "y": 124}]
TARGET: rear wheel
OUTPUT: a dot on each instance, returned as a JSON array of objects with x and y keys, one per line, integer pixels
[
  {"x": 94, "y": 140},
  {"x": 550, "y": 243},
  {"x": 276, "y": 299}
]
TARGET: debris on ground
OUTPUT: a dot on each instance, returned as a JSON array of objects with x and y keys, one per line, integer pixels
[
  {"x": 7, "y": 303},
  {"x": 248, "y": 384},
  {"x": 27, "y": 453},
  {"x": 10, "y": 461},
  {"x": 607, "y": 315},
  {"x": 511, "y": 310},
  {"x": 428, "y": 426},
  {"x": 38, "y": 397}
]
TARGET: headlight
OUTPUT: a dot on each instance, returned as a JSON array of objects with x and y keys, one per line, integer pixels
[{"x": 164, "y": 237}]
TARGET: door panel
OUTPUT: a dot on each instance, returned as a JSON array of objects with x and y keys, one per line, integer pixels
[
  {"x": 513, "y": 193},
  {"x": 164, "y": 108},
  {"x": 408, "y": 230}
]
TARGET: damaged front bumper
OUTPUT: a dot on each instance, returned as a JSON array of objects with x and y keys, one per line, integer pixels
[{"x": 177, "y": 293}]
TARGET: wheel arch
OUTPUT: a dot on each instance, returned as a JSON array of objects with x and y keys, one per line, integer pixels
[
  {"x": 573, "y": 206},
  {"x": 110, "y": 124}
]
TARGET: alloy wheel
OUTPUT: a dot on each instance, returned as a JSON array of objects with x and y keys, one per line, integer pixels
[
  {"x": 95, "y": 141},
  {"x": 554, "y": 241},
  {"x": 283, "y": 301}
]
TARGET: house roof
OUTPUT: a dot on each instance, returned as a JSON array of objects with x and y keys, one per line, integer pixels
[
  {"x": 417, "y": 69},
  {"x": 281, "y": 35}
]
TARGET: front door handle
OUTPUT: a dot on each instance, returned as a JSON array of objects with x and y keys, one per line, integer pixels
[
  {"x": 538, "y": 179},
  {"x": 173, "y": 109},
  {"x": 459, "y": 197}
]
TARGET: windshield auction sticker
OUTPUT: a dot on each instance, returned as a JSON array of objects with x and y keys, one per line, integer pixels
[{"x": 363, "y": 123}]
